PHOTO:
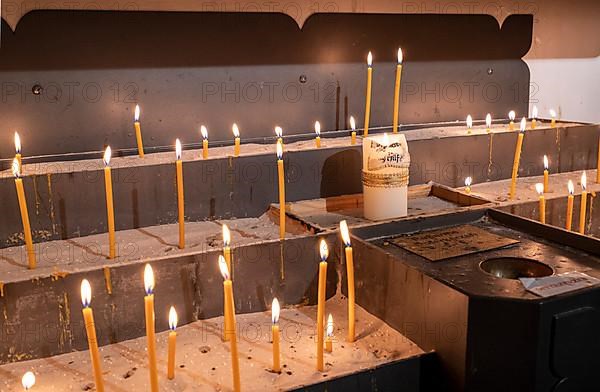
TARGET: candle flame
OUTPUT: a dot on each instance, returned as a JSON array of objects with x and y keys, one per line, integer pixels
[
  {"x": 468, "y": 181},
  {"x": 148, "y": 279},
  {"x": 352, "y": 123},
  {"x": 223, "y": 267},
  {"x": 534, "y": 112},
  {"x": 16, "y": 168},
  {"x": 226, "y": 235},
  {"x": 136, "y": 115},
  {"x": 107, "y": 155},
  {"x": 546, "y": 162},
  {"x": 178, "y": 149},
  {"x": 278, "y": 131},
  {"x": 17, "y": 143},
  {"x": 275, "y": 310},
  {"x": 584, "y": 181},
  {"x": 512, "y": 115},
  {"x": 86, "y": 293},
  {"x": 345, "y": 233},
  {"x": 488, "y": 120},
  {"x": 571, "y": 187},
  {"x": 552, "y": 113},
  {"x": 523, "y": 124},
  {"x": 386, "y": 140},
  {"x": 323, "y": 250},
  {"x": 539, "y": 187},
  {"x": 370, "y": 59},
  {"x": 279, "y": 150},
  {"x": 28, "y": 380},
  {"x": 204, "y": 132},
  {"x": 235, "y": 130},
  {"x": 469, "y": 121},
  {"x": 400, "y": 57},
  {"x": 330, "y": 326},
  {"x": 173, "y": 319},
  {"x": 318, "y": 128}
]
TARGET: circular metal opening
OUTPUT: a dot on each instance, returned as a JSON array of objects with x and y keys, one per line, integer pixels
[{"x": 515, "y": 268}]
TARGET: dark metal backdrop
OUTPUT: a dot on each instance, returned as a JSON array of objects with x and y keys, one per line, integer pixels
[{"x": 89, "y": 69}]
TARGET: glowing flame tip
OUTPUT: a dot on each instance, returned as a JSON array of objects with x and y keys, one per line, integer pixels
[
  {"x": 148, "y": 279},
  {"x": 86, "y": 293},
  {"x": 546, "y": 162},
  {"x": 323, "y": 250},
  {"x": 370, "y": 59},
  {"x": 278, "y": 131},
  {"x": 178, "y": 149},
  {"x": 17, "y": 143},
  {"x": 468, "y": 181},
  {"x": 469, "y": 121},
  {"x": 345, "y": 232},
  {"x": 523, "y": 124},
  {"x": 488, "y": 120},
  {"x": 512, "y": 115},
  {"x": 552, "y": 113},
  {"x": 235, "y": 130},
  {"x": 318, "y": 128},
  {"x": 226, "y": 236},
  {"x": 352, "y": 123},
  {"x": 571, "y": 187},
  {"x": 584, "y": 181},
  {"x": 275, "y": 310},
  {"x": 107, "y": 156},
  {"x": 136, "y": 115},
  {"x": 173, "y": 319},
  {"x": 330, "y": 326},
  {"x": 204, "y": 132},
  {"x": 539, "y": 187},
  {"x": 400, "y": 57},
  {"x": 534, "y": 112},
  {"x": 28, "y": 380}
]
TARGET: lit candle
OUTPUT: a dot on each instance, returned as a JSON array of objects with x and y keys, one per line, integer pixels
[
  {"x": 488, "y": 123},
  {"x": 138, "y": 131},
  {"x": 468, "y": 182},
  {"x": 318, "y": 133},
  {"x": 281, "y": 175},
  {"x": 368, "y": 94},
  {"x": 236, "y": 135},
  {"x": 534, "y": 114},
  {"x": 515, "y": 170},
  {"x": 180, "y": 194},
  {"x": 24, "y": 214},
  {"x": 329, "y": 339},
  {"x": 231, "y": 331},
  {"x": 583, "y": 210},
  {"x": 353, "y": 128},
  {"x": 350, "y": 272},
  {"x": 511, "y": 117},
  {"x": 546, "y": 175},
  {"x": 324, "y": 251},
  {"x": 540, "y": 190},
  {"x": 150, "y": 333},
  {"x": 397, "y": 91},
  {"x": 552, "y": 118},
  {"x": 279, "y": 135},
  {"x": 90, "y": 329},
  {"x": 275, "y": 332},
  {"x": 227, "y": 258},
  {"x": 469, "y": 124},
  {"x": 570, "y": 200},
  {"x": 172, "y": 343},
  {"x": 28, "y": 381},
  {"x": 18, "y": 156},
  {"x": 109, "y": 204},
  {"x": 204, "y": 133}
]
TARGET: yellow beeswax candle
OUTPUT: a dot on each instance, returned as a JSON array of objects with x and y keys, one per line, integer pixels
[
  {"x": 31, "y": 258},
  {"x": 353, "y": 128},
  {"x": 275, "y": 332},
  {"x": 204, "y": 133},
  {"x": 511, "y": 117},
  {"x": 583, "y": 209},
  {"x": 227, "y": 259},
  {"x": 281, "y": 175},
  {"x": 110, "y": 212},
  {"x": 397, "y": 91},
  {"x": 368, "y": 93},
  {"x": 138, "y": 131},
  {"x": 236, "y": 135},
  {"x": 329, "y": 334},
  {"x": 18, "y": 156},
  {"x": 318, "y": 133},
  {"x": 540, "y": 190},
  {"x": 150, "y": 332},
  {"x": 546, "y": 175},
  {"x": 180, "y": 194},
  {"x": 173, "y": 319},
  {"x": 515, "y": 169},
  {"x": 324, "y": 251},
  {"x": 350, "y": 273},
  {"x": 231, "y": 332},
  {"x": 570, "y": 200},
  {"x": 90, "y": 329}
]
